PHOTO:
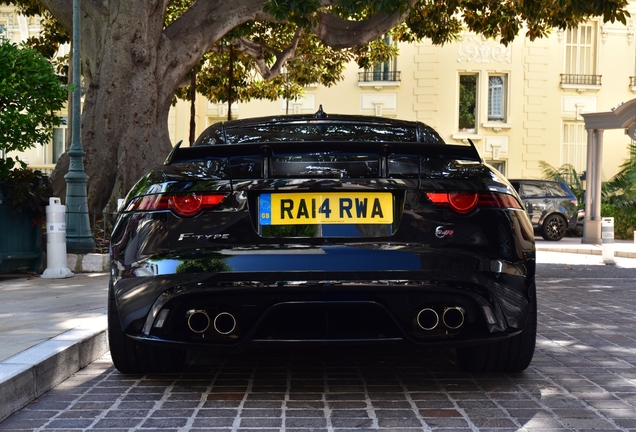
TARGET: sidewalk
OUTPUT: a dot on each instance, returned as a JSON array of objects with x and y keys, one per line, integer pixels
[
  {"x": 51, "y": 328},
  {"x": 622, "y": 248}
]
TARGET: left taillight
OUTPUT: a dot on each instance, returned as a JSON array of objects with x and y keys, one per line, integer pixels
[
  {"x": 184, "y": 205},
  {"x": 467, "y": 202}
]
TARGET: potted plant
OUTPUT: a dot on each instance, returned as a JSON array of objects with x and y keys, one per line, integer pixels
[{"x": 23, "y": 199}]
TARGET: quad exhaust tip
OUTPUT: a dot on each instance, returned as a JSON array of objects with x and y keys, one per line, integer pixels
[
  {"x": 224, "y": 323},
  {"x": 199, "y": 322},
  {"x": 452, "y": 317},
  {"x": 427, "y": 319}
]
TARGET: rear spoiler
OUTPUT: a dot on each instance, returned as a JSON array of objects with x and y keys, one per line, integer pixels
[{"x": 382, "y": 149}]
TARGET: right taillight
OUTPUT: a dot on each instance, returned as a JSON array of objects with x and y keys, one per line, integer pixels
[
  {"x": 467, "y": 202},
  {"x": 184, "y": 205}
]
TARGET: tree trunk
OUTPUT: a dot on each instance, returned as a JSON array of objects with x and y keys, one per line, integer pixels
[
  {"x": 132, "y": 67},
  {"x": 124, "y": 116},
  {"x": 193, "y": 106},
  {"x": 119, "y": 143}
]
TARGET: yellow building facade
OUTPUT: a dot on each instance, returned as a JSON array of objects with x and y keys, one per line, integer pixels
[{"x": 520, "y": 104}]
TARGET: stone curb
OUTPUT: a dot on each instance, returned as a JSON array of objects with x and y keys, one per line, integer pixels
[
  {"x": 83, "y": 263},
  {"x": 586, "y": 251},
  {"x": 29, "y": 374},
  {"x": 88, "y": 263}
]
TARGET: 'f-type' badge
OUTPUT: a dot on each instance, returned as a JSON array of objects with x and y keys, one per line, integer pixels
[{"x": 441, "y": 232}]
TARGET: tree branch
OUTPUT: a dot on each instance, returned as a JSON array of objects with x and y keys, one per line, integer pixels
[
  {"x": 62, "y": 10},
  {"x": 195, "y": 32},
  {"x": 257, "y": 53},
  {"x": 339, "y": 33}
]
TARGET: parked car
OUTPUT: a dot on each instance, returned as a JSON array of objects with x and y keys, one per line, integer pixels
[
  {"x": 551, "y": 206},
  {"x": 580, "y": 221},
  {"x": 322, "y": 229}
]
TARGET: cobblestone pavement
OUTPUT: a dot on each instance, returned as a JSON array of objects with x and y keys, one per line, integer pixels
[{"x": 583, "y": 377}]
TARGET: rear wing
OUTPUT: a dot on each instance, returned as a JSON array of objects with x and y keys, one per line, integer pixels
[{"x": 266, "y": 150}]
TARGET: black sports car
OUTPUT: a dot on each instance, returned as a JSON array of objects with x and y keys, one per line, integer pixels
[{"x": 322, "y": 229}]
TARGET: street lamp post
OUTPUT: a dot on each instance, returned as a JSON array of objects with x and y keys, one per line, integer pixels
[
  {"x": 79, "y": 238},
  {"x": 583, "y": 179}
]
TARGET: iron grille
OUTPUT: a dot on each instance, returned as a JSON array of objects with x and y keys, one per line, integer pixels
[
  {"x": 369, "y": 76},
  {"x": 581, "y": 79}
]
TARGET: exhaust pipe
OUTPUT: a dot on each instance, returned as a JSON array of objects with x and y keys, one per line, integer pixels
[
  {"x": 224, "y": 323},
  {"x": 427, "y": 319},
  {"x": 198, "y": 320},
  {"x": 453, "y": 317}
]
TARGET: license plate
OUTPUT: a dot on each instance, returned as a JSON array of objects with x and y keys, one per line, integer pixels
[{"x": 326, "y": 208}]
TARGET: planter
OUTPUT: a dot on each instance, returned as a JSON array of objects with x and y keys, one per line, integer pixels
[{"x": 20, "y": 241}]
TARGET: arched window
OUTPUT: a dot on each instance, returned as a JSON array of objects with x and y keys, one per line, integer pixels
[{"x": 496, "y": 98}]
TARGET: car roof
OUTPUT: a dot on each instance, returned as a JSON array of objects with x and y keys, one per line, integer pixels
[
  {"x": 320, "y": 117},
  {"x": 535, "y": 180},
  {"x": 251, "y": 129}
]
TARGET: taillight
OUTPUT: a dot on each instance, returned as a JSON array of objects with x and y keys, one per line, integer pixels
[
  {"x": 185, "y": 205},
  {"x": 466, "y": 202}
]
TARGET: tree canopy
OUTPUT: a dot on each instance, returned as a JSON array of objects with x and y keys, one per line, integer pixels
[
  {"x": 30, "y": 95},
  {"x": 137, "y": 55}
]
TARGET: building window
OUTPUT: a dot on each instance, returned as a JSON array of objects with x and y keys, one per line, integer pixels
[
  {"x": 59, "y": 140},
  {"x": 496, "y": 98},
  {"x": 580, "y": 56},
  {"x": 382, "y": 71},
  {"x": 574, "y": 146},
  {"x": 498, "y": 165},
  {"x": 3, "y": 32},
  {"x": 468, "y": 103}
]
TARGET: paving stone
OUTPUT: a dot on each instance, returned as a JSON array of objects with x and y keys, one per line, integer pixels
[
  {"x": 302, "y": 422},
  {"x": 260, "y": 423},
  {"x": 352, "y": 423},
  {"x": 582, "y": 378},
  {"x": 119, "y": 422}
]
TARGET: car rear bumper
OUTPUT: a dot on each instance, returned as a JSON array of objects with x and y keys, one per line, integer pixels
[{"x": 370, "y": 294}]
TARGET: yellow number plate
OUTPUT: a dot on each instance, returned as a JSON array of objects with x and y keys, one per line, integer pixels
[{"x": 326, "y": 208}]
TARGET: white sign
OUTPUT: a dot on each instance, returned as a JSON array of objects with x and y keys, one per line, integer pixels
[{"x": 56, "y": 227}]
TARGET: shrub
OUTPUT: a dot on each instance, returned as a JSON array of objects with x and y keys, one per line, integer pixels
[
  {"x": 624, "y": 219},
  {"x": 30, "y": 95}
]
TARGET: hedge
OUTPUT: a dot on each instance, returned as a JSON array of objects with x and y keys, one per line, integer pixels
[{"x": 624, "y": 219}]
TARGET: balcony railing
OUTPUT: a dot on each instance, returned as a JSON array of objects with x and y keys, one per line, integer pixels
[
  {"x": 632, "y": 81},
  {"x": 576, "y": 79},
  {"x": 369, "y": 76}
]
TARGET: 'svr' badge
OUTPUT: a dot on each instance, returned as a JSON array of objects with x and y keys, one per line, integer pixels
[{"x": 441, "y": 232}]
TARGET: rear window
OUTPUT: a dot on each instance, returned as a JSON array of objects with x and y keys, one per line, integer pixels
[
  {"x": 325, "y": 166},
  {"x": 307, "y": 131},
  {"x": 531, "y": 189},
  {"x": 555, "y": 189}
]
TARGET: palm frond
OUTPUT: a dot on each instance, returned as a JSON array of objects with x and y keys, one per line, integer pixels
[{"x": 565, "y": 173}]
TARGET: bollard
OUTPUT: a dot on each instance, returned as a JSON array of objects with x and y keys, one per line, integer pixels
[
  {"x": 56, "y": 241},
  {"x": 607, "y": 237}
]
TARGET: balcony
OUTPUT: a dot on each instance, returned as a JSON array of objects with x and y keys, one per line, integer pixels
[
  {"x": 379, "y": 79},
  {"x": 632, "y": 83},
  {"x": 581, "y": 83}
]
